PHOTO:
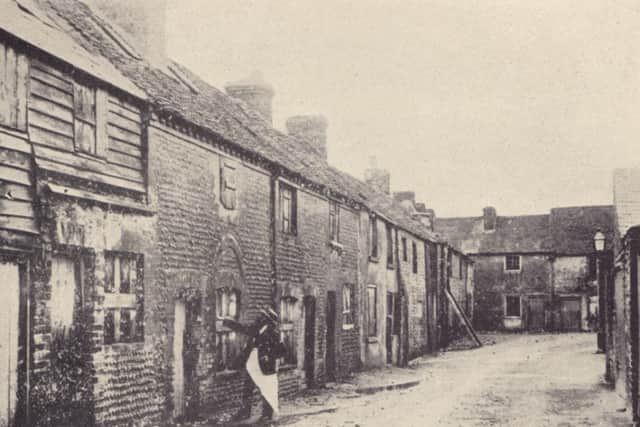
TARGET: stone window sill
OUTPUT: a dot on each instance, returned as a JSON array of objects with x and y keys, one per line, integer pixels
[
  {"x": 348, "y": 327},
  {"x": 227, "y": 373},
  {"x": 337, "y": 246},
  {"x": 373, "y": 258},
  {"x": 372, "y": 339}
]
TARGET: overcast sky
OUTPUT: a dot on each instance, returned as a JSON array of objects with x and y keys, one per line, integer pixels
[{"x": 521, "y": 105}]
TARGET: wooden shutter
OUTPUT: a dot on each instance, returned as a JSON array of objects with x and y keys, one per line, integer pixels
[
  {"x": 227, "y": 184},
  {"x": 84, "y": 114},
  {"x": 14, "y": 70}
]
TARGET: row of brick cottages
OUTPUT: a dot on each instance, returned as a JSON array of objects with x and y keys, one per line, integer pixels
[{"x": 139, "y": 206}]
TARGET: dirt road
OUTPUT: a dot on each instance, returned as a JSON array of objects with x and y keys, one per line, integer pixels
[{"x": 526, "y": 380}]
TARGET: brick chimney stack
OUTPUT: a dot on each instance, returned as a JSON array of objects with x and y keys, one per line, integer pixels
[
  {"x": 312, "y": 128},
  {"x": 254, "y": 92},
  {"x": 379, "y": 179},
  {"x": 489, "y": 217},
  {"x": 143, "y": 22}
]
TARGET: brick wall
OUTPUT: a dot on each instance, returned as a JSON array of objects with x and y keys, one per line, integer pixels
[
  {"x": 196, "y": 234},
  {"x": 416, "y": 293}
]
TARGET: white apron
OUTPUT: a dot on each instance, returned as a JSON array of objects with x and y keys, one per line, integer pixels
[{"x": 267, "y": 384}]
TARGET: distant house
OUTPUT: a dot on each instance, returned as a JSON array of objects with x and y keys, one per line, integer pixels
[{"x": 532, "y": 272}]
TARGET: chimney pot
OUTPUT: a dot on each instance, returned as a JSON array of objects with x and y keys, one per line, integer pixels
[
  {"x": 254, "y": 92},
  {"x": 489, "y": 217},
  {"x": 379, "y": 179},
  {"x": 313, "y": 128}
]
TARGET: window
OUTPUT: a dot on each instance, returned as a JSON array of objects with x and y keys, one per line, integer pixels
[
  {"x": 389, "y": 246},
  {"x": 373, "y": 237},
  {"x": 14, "y": 70},
  {"x": 227, "y": 184},
  {"x": 228, "y": 343},
  {"x": 288, "y": 209},
  {"x": 372, "y": 308},
  {"x": 414, "y": 256},
  {"x": 512, "y": 306},
  {"x": 123, "y": 301},
  {"x": 512, "y": 263},
  {"x": 347, "y": 306},
  {"x": 88, "y": 118},
  {"x": 287, "y": 331},
  {"x": 334, "y": 221},
  {"x": 404, "y": 249}
]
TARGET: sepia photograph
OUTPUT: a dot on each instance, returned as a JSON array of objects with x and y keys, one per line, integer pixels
[{"x": 338, "y": 213}]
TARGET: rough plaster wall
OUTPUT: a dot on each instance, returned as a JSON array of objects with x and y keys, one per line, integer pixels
[
  {"x": 570, "y": 273},
  {"x": 491, "y": 283}
]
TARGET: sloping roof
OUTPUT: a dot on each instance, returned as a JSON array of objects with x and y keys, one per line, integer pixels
[
  {"x": 228, "y": 118},
  {"x": 565, "y": 231},
  {"x": 626, "y": 198},
  {"x": 573, "y": 228},
  {"x": 29, "y": 23},
  {"x": 528, "y": 233}
]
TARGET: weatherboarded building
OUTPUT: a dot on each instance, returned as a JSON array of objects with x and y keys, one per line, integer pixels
[
  {"x": 533, "y": 272},
  {"x": 140, "y": 206}
]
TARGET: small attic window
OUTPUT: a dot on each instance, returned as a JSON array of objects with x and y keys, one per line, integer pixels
[
  {"x": 114, "y": 34},
  {"x": 177, "y": 74}
]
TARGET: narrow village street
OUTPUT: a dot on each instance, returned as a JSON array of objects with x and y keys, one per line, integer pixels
[{"x": 522, "y": 380}]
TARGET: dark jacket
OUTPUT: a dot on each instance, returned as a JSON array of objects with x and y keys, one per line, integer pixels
[{"x": 263, "y": 335}]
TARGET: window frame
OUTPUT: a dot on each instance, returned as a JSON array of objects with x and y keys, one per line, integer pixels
[
  {"x": 348, "y": 312},
  {"x": 403, "y": 241},
  {"x": 288, "y": 217},
  {"x": 334, "y": 221},
  {"x": 227, "y": 341},
  {"x": 228, "y": 184},
  {"x": 390, "y": 249},
  {"x": 414, "y": 257},
  {"x": 506, "y": 305},
  {"x": 118, "y": 301},
  {"x": 372, "y": 332},
  {"x": 287, "y": 330},
  {"x": 93, "y": 120},
  {"x": 506, "y": 263},
  {"x": 373, "y": 239}
]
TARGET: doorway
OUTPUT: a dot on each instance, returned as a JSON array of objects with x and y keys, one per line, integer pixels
[
  {"x": 535, "y": 313},
  {"x": 309, "y": 339},
  {"x": 392, "y": 328},
  {"x": 9, "y": 341},
  {"x": 570, "y": 313},
  {"x": 330, "y": 356}
]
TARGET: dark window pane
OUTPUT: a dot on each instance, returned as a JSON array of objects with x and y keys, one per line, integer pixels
[
  {"x": 108, "y": 274},
  {"x": 513, "y": 306},
  {"x": 371, "y": 311},
  {"x": 125, "y": 325},
  {"x": 109, "y": 327}
]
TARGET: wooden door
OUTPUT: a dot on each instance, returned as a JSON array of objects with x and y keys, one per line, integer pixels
[
  {"x": 9, "y": 333},
  {"x": 535, "y": 314},
  {"x": 309, "y": 339},
  {"x": 389, "y": 325},
  {"x": 330, "y": 356},
  {"x": 179, "y": 328}
]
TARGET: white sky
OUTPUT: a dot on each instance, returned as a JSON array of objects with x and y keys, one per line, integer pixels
[{"x": 521, "y": 105}]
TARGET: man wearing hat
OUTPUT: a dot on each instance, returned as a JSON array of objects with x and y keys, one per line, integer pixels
[{"x": 261, "y": 354}]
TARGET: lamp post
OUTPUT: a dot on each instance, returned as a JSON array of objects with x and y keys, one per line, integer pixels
[{"x": 599, "y": 245}]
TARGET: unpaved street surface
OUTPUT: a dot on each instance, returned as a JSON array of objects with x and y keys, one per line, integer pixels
[{"x": 525, "y": 380}]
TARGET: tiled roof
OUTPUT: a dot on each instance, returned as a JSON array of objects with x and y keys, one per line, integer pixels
[
  {"x": 226, "y": 117},
  {"x": 512, "y": 234},
  {"x": 565, "y": 231},
  {"x": 573, "y": 228}
]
